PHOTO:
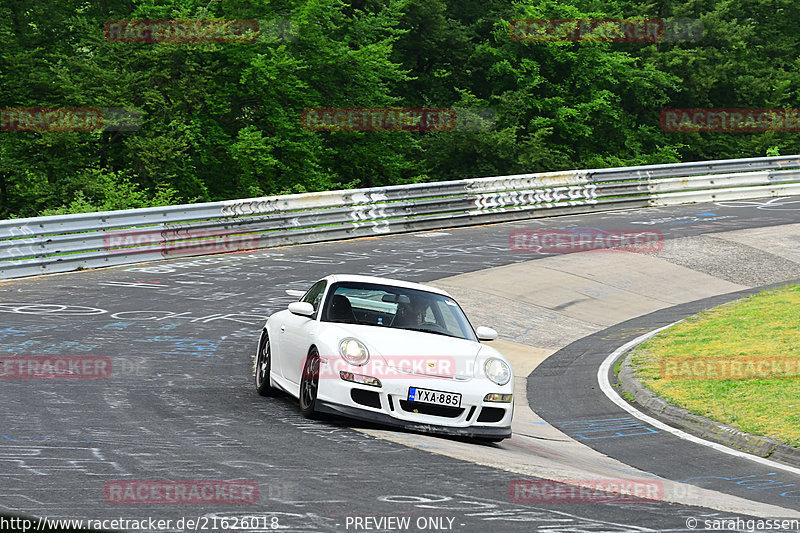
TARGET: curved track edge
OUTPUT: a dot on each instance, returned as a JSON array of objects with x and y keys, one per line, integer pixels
[{"x": 650, "y": 403}]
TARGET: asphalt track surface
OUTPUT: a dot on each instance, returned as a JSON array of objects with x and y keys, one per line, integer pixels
[
  {"x": 180, "y": 404},
  {"x": 589, "y": 417}
]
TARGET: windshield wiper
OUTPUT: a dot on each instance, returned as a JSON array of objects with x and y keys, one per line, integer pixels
[{"x": 423, "y": 330}]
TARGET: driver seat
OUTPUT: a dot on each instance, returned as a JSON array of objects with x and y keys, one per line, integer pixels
[
  {"x": 404, "y": 316},
  {"x": 341, "y": 310}
]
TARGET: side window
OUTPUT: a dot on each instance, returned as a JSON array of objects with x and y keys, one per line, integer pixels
[{"x": 314, "y": 294}]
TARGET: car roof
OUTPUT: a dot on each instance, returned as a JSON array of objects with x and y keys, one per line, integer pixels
[{"x": 334, "y": 278}]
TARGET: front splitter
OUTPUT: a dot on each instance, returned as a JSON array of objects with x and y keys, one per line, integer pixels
[{"x": 480, "y": 432}]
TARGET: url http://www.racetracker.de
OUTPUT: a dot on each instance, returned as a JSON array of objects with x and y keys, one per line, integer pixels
[{"x": 202, "y": 523}]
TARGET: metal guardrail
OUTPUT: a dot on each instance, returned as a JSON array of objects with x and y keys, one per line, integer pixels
[{"x": 63, "y": 243}]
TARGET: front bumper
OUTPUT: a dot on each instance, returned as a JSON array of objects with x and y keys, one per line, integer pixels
[
  {"x": 387, "y": 405},
  {"x": 377, "y": 417}
]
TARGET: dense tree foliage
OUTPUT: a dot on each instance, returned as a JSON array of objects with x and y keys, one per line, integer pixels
[{"x": 223, "y": 120}]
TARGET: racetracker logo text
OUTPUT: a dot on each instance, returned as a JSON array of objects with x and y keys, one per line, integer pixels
[
  {"x": 586, "y": 491},
  {"x": 180, "y": 492},
  {"x": 730, "y": 120},
  {"x": 614, "y": 30},
  {"x": 50, "y": 119},
  {"x": 565, "y": 241},
  {"x": 394, "y": 367},
  {"x": 180, "y": 31},
  {"x": 55, "y": 367},
  {"x": 378, "y": 119},
  {"x": 177, "y": 243},
  {"x": 56, "y": 119},
  {"x": 575, "y": 30},
  {"x": 681, "y": 368}
]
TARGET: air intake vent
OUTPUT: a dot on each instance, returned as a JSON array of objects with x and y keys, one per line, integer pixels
[
  {"x": 365, "y": 397},
  {"x": 433, "y": 410},
  {"x": 491, "y": 414}
]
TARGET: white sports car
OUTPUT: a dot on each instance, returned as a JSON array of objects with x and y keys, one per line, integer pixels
[{"x": 389, "y": 352}]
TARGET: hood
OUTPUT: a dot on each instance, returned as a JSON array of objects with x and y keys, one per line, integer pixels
[{"x": 416, "y": 352}]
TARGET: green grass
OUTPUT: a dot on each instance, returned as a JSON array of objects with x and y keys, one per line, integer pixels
[
  {"x": 763, "y": 326},
  {"x": 628, "y": 396}
]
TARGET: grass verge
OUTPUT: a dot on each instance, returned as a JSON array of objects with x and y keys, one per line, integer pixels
[{"x": 738, "y": 364}]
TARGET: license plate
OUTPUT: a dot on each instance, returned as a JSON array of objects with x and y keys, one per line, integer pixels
[{"x": 435, "y": 397}]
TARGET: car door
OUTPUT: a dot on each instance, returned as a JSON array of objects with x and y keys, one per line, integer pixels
[{"x": 296, "y": 334}]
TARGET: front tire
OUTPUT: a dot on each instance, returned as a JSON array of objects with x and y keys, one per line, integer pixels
[
  {"x": 264, "y": 366},
  {"x": 309, "y": 384}
]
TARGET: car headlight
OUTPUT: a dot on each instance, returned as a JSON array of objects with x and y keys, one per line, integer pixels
[
  {"x": 497, "y": 370},
  {"x": 354, "y": 352}
]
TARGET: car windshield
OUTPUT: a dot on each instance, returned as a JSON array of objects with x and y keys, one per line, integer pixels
[{"x": 396, "y": 307}]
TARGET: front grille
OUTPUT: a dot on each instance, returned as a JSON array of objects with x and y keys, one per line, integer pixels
[
  {"x": 445, "y": 411},
  {"x": 491, "y": 414}
]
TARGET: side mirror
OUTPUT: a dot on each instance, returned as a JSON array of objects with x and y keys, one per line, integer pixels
[
  {"x": 301, "y": 308},
  {"x": 485, "y": 334}
]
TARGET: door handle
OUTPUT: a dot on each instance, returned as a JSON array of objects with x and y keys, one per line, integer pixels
[{"x": 283, "y": 328}]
